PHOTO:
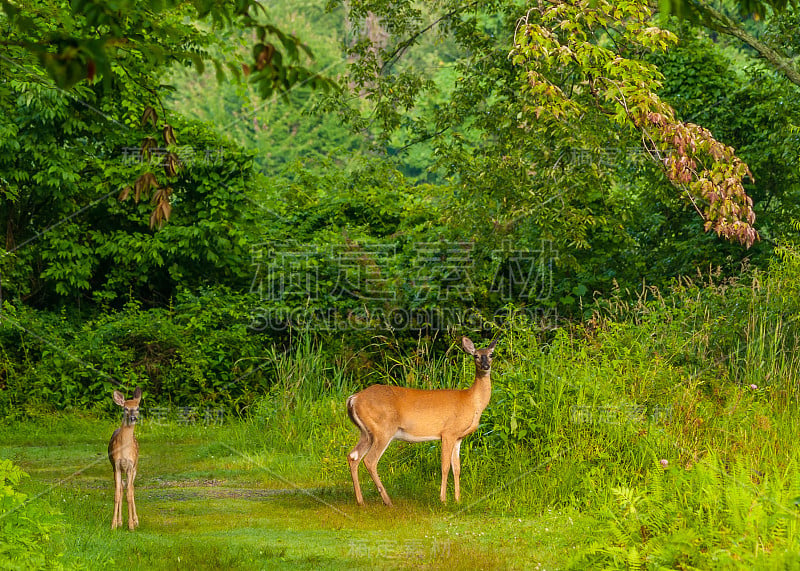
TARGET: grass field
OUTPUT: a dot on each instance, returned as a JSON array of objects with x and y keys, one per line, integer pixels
[{"x": 213, "y": 497}]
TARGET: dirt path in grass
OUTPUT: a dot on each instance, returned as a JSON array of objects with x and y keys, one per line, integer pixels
[{"x": 214, "y": 489}]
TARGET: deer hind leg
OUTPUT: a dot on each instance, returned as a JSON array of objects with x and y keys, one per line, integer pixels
[
  {"x": 133, "y": 519},
  {"x": 362, "y": 447},
  {"x": 456, "y": 461},
  {"x": 371, "y": 458},
  {"x": 116, "y": 521},
  {"x": 354, "y": 459}
]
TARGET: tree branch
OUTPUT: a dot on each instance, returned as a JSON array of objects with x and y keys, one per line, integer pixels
[
  {"x": 724, "y": 24},
  {"x": 407, "y": 43}
]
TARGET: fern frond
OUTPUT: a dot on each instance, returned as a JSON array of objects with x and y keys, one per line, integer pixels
[{"x": 634, "y": 561}]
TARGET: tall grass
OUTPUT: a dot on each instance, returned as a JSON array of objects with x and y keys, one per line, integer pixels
[
  {"x": 769, "y": 354},
  {"x": 306, "y": 372}
]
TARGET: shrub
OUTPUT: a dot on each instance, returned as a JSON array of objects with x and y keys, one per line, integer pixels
[
  {"x": 201, "y": 350},
  {"x": 26, "y": 524}
]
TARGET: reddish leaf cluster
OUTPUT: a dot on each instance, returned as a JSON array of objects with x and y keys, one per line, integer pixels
[
  {"x": 563, "y": 39},
  {"x": 725, "y": 206},
  {"x": 147, "y": 181}
]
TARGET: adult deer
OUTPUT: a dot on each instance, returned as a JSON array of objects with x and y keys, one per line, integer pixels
[
  {"x": 123, "y": 452},
  {"x": 384, "y": 413}
]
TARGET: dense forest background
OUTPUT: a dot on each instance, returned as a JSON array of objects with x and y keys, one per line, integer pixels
[{"x": 177, "y": 202}]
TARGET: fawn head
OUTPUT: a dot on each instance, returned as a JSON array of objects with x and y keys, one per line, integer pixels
[
  {"x": 130, "y": 407},
  {"x": 483, "y": 357}
]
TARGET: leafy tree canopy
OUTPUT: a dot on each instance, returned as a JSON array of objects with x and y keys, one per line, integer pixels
[
  {"x": 533, "y": 87},
  {"x": 67, "y": 155},
  {"x": 94, "y": 36},
  {"x": 570, "y": 124}
]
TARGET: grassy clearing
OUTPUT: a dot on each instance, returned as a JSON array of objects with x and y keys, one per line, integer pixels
[
  {"x": 565, "y": 472},
  {"x": 206, "y": 503}
]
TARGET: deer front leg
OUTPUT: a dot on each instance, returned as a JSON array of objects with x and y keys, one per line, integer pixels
[
  {"x": 116, "y": 521},
  {"x": 457, "y": 470},
  {"x": 133, "y": 519},
  {"x": 447, "y": 455}
]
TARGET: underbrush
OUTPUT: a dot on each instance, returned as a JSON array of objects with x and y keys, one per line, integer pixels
[
  {"x": 716, "y": 515},
  {"x": 26, "y": 525},
  {"x": 197, "y": 352},
  {"x": 674, "y": 427}
]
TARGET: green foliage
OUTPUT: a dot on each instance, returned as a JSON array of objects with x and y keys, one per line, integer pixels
[
  {"x": 752, "y": 110},
  {"x": 445, "y": 105},
  {"x": 470, "y": 119},
  {"x": 349, "y": 258},
  {"x": 200, "y": 351},
  {"x": 506, "y": 177},
  {"x": 670, "y": 421},
  {"x": 560, "y": 45},
  {"x": 367, "y": 251},
  {"x": 94, "y": 37},
  {"x": 26, "y": 524},
  {"x": 68, "y": 237},
  {"x": 573, "y": 416},
  {"x": 715, "y": 515},
  {"x": 306, "y": 374},
  {"x": 693, "y": 10},
  {"x": 578, "y": 182},
  {"x": 70, "y": 156},
  {"x": 780, "y": 31},
  {"x": 278, "y": 132}
]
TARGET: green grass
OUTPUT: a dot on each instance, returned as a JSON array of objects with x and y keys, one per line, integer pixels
[
  {"x": 214, "y": 498},
  {"x": 543, "y": 486}
]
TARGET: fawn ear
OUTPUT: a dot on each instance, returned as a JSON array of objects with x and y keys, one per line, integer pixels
[
  {"x": 467, "y": 345},
  {"x": 119, "y": 398},
  {"x": 492, "y": 345},
  {"x": 137, "y": 394}
]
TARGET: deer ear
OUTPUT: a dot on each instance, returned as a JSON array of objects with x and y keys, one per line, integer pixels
[
  {"x": 492, "y": 345},
  {"x": 137, "y": 394},
  {"x": 119, "y": 398},
  {"x": 467, "y": 345}
]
